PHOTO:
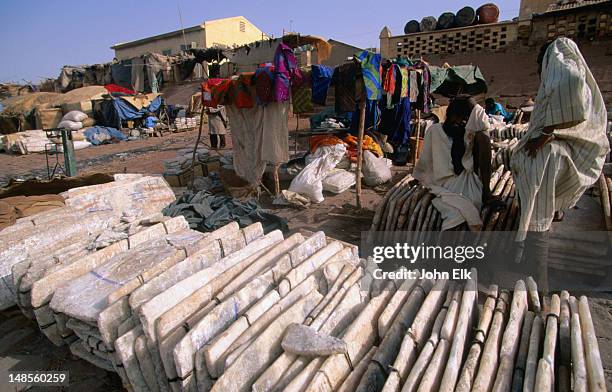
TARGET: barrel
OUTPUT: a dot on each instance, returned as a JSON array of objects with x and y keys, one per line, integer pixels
[
  {"x": 466, "y": 16},
  {"x": 428, "y": 23},
  {"x": 412, "y": 26},
  {"x": 446, "y": 21},
  {"x": 488, "y": 13}
]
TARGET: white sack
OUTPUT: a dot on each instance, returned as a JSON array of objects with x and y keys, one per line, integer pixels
[{"x": 309, "y": 183}]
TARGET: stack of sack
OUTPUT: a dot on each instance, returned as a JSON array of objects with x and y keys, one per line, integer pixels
[
  {"x": 92, "y": 217},
  {"x": 76, "y": 121},
  {"x": 185, "y": 123},
  {"x": 26, "y": 142}
]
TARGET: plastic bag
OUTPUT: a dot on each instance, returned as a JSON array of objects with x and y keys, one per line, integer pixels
[
  {"x": 338, "y": 181},
  {"x": 309, "y": 183},
  {"x": 375, "y": 170},
  {"x": 74, "y": 116},
  {"x": 72, "y": 125}
]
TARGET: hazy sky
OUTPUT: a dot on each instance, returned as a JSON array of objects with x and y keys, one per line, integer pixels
[{"x": 38, "y": 37}]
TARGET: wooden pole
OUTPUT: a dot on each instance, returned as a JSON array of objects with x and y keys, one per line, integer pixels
[
  {"x": 362, "y": 113},
  {"x": 195, "y": 148},
  {"x": 418, "y": 137},
  {"x": 276, "y": 180}
]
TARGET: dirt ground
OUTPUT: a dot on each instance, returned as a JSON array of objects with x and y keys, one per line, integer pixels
[{"x": 23, "y": 347}]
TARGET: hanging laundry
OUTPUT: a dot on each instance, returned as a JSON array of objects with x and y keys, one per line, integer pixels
[
  {"x": 344, "y": 79},
  {"x": 285, "y": 73},
  {"x": 405, "y": 82},
  {"x": 321, "y": 78},
  {"x": 242, "y": 91},
  {"x": 414, "y": 86},
  {"x": 301, "y": 94},
  {"x": 215, "y": 92},
  {"x": 264, "y": 84},
  {"x": 370, "y": 68}
]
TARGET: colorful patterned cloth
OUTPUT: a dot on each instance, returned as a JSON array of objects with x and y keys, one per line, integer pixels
[
  {"x": 370, "y": 68},
  {"x": 242, "y": 90},
  {"x": 321, "y": 78},
  {"x": 301, "y": 94},
  {"x": 264, "y": 84},
  {"x": 285, "y": 73},
  {"x": 344, "y": 80}
]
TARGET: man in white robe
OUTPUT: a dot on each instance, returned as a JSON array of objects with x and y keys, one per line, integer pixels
[
  {"x": 564, "y": 149},
  {"x": 455, "y": 165}
]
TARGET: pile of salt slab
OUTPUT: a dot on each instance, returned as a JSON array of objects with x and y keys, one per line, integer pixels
[
  {"x": 168, "y": 308},
  {"x": 60, "y": 236},
  {"x": 408, "y": 207}
]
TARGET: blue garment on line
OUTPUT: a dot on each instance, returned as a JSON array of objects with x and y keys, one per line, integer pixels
[
  {"x": 370, "y": 69},
  {"x": 321, "y": 78}
]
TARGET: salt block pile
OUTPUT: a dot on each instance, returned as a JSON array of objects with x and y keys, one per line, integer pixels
[
  {"x": 171, "y": 309},
  {"x": 63, "y": 235},
  {"x": 408, "y": 207}
]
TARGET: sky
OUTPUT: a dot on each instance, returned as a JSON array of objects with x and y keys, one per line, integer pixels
[{"x": 39, "y": 37}]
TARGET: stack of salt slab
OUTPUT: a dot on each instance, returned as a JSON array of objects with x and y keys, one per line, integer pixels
[
  {"x": 172, "y": 309},
  {"x": 60, "y": 236}
]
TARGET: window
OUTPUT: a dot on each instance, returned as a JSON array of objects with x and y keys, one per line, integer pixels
[
  {"x": 242, "y": 26},
  {"x": 167, "y": 52}
]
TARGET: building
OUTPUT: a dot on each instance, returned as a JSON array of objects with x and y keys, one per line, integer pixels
[
  {"x": 226, "y": 32},
  {"x": 506, "y": 52}
]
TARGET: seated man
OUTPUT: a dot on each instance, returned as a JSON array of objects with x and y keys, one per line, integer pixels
[
  {"x": 564, "y": 150},
  {"x": 455, "y": 164},
  {"x": 496, "y": 109}
]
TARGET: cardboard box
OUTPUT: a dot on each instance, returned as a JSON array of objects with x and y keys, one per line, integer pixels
[
  {"x": 180, "y": 180},
  {"x": 209, "y": 167}
]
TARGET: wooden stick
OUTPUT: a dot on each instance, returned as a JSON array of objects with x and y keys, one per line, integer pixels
[
  {"x": 595, "y": 373},
  {"x": 488, "y": 363},
  {"x": 276, "y": 180},
  {"x": 565, "y": 345},
  {"x": 195, "y": 149},
  {"x": 418, "y": 137},
  {"x": 464, "y": 325},
  {"x": 468, "y": 373},
  {"x": 545, "y": 375},
  {"x": 521, "y": 360},
  {"x": 533, "y": 354},
  {"x": 578, "y": 360},
  {"x": 362, "y": 113},
  {"x": 510, "y": 342},
  {"x": 534, "y": 297}
]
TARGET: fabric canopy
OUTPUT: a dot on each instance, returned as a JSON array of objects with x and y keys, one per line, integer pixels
[
  {"x": 127, "y": 111},
  {"x": 452, "y": 81}
]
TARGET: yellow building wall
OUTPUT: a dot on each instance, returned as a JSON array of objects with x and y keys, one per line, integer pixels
[
  {"x": 227, "y": 32},
  {"x": 172, "y": 43}
]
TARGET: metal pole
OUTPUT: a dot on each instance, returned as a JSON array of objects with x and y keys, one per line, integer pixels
[{"x": 69, "y": 158}]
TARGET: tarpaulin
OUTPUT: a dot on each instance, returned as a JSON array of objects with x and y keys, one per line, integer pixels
[
  {"x": 207, "y": 212},
  {"x": 101, "y": 135},
  {"x": 463, "y": 79},
  {"x": 126, "y": 111}
]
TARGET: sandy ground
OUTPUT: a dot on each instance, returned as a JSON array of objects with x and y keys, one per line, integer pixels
[{"x": 22, "y": 347}]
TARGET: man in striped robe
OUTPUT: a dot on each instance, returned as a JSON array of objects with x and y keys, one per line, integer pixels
[{"x": 564, "y": 149}]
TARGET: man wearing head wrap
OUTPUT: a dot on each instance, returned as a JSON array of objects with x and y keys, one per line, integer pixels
[
  {"x": 455, "y": 164},
  {"x": 564, "y": 149}
]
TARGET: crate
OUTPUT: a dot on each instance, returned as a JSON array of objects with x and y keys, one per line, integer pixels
[{"x": 179, "y": 180}]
